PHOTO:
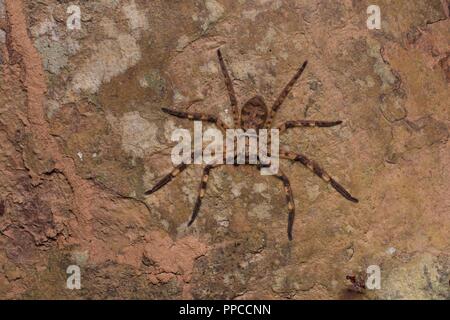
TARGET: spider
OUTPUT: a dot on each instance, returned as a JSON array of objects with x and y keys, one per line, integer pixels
[{"x": 254, "y": 114}]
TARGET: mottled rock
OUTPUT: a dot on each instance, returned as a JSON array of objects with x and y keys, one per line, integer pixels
[{"x": 83, "y": 137}]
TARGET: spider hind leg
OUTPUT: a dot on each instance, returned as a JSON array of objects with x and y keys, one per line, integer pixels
[
  {"x": 201, "y": 194},
  {"x": 289, "y": 199},
  {"x": 290, "y": 203},
  {"x": 167, "y": 178}
]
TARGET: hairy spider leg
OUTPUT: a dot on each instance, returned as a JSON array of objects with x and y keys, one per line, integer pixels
[
  {"x": 314, "y": 167},
  {"x": 196, "y": 116},
  {"x": 276, "y": 105},
  {"x": 307, "y": 123},
  {"x": 167, "y": 178},
  {"x": 201, "y": 193},
  {"x": 289, "y": 200},
  {"x": 230, "y": 89},
  {"x": 203, "y": 185}
]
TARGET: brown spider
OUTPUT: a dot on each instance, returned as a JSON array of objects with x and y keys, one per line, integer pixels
[{"x": 255, "y": 115}]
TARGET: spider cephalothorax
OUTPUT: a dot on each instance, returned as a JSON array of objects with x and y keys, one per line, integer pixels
[{"x": 255, "y": 115}]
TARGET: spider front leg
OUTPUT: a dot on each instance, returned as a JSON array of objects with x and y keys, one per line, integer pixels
[
  {"x": 307, "y": 123},
  {"x": 276, "y": 105},
  {"x": 196, "y": 116},
  {"x": 314, "y": 167},
  {"x": 230, "y": 89}
]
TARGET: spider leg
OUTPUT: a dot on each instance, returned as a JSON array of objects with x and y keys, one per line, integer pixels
[
  {"x": 230, "y": 89},
  {"x": 314, "y": 167},
  {"x": 167, "y": 178},
  {"x": 203, "y": 185},
  {"x": 289, "y": 199},
  {"x": 285, "y": 93},
  {"x": 196, "y": 116},
  {"x": 202, "y": 189},
  {"x": 201, "y": 193},
  {"x": 307, "y": 123},
  {"x": 290, "y": 202}
]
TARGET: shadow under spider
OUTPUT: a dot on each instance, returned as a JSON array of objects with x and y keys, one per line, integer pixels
[{"x": 254, "y": 114}]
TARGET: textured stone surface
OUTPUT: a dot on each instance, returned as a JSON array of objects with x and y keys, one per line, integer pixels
[{"x": 82, "y": 137}]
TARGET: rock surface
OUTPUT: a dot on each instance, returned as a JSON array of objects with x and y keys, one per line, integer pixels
[{"x": 82, "y": 138}]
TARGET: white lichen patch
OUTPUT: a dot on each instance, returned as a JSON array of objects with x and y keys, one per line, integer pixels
[
  {"x": 391, "y": 250},
  {"x": 53, "y": 50},
  {"x": 169, "y": 128},
  {"x": 46, "y": 27},
  {"x": 138, "y": 135},
  {"x": 110, "y": 3},
  {"x": 370, "y": 82},
  {"x": 261, "y": 189},
  {"x": 178, "y": 97},
  {"x": 110, "y": 58},
  {"x": 210, "y": 67},
  {"x": 215, "y": 12},
  {"x": 250, "y": 14},
  {"x": 182, "y": 42},
  {"x": 143, "y": 82},
  {"x": 137, "y": 21},
  {"x": 224, "y": 223},
  {"x": 2, "y": 9},
  {"x": 284, "y": 55},
  {"x": 277, "y": 4},
  {"x": 380, "y": 67},
  {"x": 192, "y": 196},
  {"x": 243, "y": 69},
  {"x": 312, "y": 190},
  {"x": 54, "y": 54},
  {"x": 418, "y": 279},
  {"x": 222, "y": 217},
  {"x": 52, "y": 107},
  {"x": 80, "y": 257},
  {"x": 268, "y": 40},
  {"x": 261, "y": 211},
  {"x": 236, "y": 190}
]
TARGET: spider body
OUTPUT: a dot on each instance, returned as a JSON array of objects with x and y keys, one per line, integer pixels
[{"x": 255, "y": 114}]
